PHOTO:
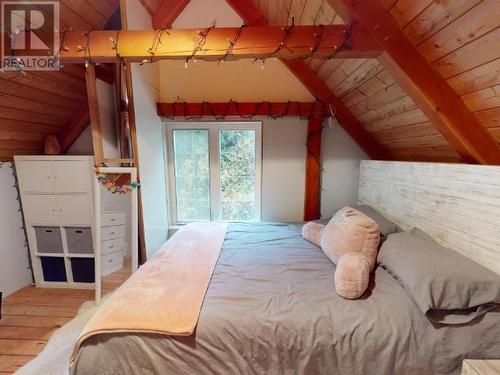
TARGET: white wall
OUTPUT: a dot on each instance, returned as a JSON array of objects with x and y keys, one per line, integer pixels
[
  {"x": 14, "y": 264},
  {"x": 107, "y": 113},
  {"x": 202, "y": 13},
  {"x": 241, "y": 80},
  {"x": 83, "y": 144},
  {"x": 341, "y": 158},
  {"x": 283, "y": 169},
  {"x": 145, "y": 84}
]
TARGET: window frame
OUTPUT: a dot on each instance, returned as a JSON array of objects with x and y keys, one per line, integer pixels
[{"x": 214, "y": 164}]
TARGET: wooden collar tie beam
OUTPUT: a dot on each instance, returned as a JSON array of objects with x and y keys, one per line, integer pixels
[
  {"x": 258, "y": 42},
  {"x": 244, "y": 110}
]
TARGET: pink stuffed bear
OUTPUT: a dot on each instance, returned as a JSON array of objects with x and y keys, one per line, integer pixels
[{"x": 350, "y": 240}]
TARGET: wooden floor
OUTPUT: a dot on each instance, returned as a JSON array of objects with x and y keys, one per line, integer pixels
[{"x": 31, "y": 315}]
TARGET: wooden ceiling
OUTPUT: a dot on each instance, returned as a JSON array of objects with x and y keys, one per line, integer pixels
[
  {"x": 34, "y": 104},
  {"x": 458, "y": 37}
]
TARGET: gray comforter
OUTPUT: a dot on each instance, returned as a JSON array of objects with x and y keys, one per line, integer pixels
[{"x": 271, "y": 308}]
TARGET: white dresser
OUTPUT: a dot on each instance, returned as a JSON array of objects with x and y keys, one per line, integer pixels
[
  {"x": 58, "y": 205},
  {"x": 112, "y": 241}
]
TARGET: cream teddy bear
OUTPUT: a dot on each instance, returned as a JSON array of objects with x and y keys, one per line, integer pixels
[{"x": 350, "y": 240}]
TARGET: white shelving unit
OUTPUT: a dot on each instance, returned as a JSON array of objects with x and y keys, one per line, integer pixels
[
  {"x": 58, "y": 203},
  {"x": 57, "y": 194},
  {"x": 72, "y": 242}
]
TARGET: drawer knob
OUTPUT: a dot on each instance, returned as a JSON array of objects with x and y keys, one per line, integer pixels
[
  {"x": 110, "y": 260},
  {"x": 111, "y": 233},
  {"x": 111, "y": 246},
  {"x": 113, "y": 218}
]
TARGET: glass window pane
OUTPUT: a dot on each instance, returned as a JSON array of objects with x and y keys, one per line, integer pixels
[
  {"x": 237, "y": 175},
  {"x": 192, "y": 175}
]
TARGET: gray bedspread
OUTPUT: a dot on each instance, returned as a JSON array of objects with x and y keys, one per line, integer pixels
[{"x": 271, "y": 308}]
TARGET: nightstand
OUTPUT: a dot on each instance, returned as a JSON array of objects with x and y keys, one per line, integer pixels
[{"x": 481, "y": 367}]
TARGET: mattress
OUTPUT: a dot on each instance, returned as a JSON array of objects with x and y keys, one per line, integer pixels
[{"x": 271, "y": 308}]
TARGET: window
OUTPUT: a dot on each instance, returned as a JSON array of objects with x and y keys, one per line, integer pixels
[{"x": 214, "y": 171}]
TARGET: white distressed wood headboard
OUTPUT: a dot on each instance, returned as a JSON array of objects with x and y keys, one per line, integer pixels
[{"x": 457, "y": 204}]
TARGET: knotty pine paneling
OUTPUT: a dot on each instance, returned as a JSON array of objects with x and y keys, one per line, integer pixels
[
  {"x": 460, "y": 39},
  {"x": 34, "y": 104},
  {"x": 458, "y": 205}
]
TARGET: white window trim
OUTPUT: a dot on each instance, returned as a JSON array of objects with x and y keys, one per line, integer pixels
[{"x": 214, "y": 168}]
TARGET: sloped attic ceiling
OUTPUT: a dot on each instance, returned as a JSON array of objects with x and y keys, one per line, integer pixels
[
  {"x": 34, "y": 104},
  {"x": 458, "y": 37}
]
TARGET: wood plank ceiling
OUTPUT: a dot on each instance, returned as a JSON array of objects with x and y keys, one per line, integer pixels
[
  {"x": 458, "y": 37},
  {"x": 34, "y": 104}
]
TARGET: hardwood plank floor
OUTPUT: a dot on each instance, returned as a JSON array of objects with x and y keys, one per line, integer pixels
[{"x": 31, "y": 315}]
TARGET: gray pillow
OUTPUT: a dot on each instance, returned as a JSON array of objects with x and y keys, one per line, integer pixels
[
  {"x": 385, "y": 226},
  {"x": 448, "y": 287}
]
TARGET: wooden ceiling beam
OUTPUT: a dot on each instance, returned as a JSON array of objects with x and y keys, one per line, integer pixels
[
  {"x": 167, "y": 12},
  {"x": 70, "y": 133},
  {"x": 249, "y": 13},
  {"x": 247, "y": 110},
  {"x": 424, "y": 85},
  {"x": 253, "y": 42},
  {"x": 105, "y": 73}
]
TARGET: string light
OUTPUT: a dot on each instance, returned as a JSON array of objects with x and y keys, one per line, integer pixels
[
  {"x": 232, "y": 42},
  {"x": 318, "y": 38},
  {"x": 344, "y": 45},
  {"x": 287, "y": 31},
  {"x": 263, "y": 108},
  {"x": 154, "y": 45},
  {"x": 200, "y": 42},
  {"x": 115, "y": 47}
]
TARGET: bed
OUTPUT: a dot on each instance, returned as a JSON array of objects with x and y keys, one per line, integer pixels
[{"x": 271, "y": 308}]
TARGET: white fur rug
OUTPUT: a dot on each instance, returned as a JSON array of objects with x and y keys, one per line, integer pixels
[{"x": 54, "y": 358}]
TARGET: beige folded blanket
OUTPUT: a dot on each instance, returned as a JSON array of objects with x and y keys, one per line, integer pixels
[{"x": 166, "y": 294}]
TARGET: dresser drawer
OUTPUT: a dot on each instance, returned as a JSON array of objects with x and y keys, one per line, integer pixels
[
  {"x": 111, "y": 233},
  {"x": 112, "y": 218},
  {"x": 111, "y": 246},
  {"x": 111, "y": 262}
]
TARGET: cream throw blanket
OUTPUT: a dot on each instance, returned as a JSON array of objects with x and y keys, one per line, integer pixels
[{"x": 166, "y": 294}]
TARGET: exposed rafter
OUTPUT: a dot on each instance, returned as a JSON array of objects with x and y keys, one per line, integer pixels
[
  {"x": 320, "y": 90},
  {"x": 249, "y": 13},
  {"x": 76, "y": 126},
  {"x": 252, "y": 42},
  {"x": 167, "y": 12},
  {"x": 423, "y": 84},
  {"x": 95, "y": 120}
]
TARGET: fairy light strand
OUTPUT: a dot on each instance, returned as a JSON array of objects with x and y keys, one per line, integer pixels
[
  {"x": 318, "y": 39},
  {"x": 344, "y": 45},
  {"x": 287, "y": 31},
  {"x": 200, "y": 42},
  {"x": 207, "y": 107},
  {"x": 232, "y": 43}
]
